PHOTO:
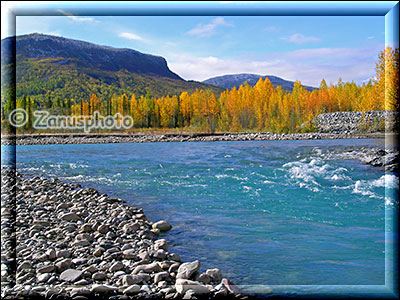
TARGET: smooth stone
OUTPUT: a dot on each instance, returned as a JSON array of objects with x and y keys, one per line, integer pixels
[
  {"x": 80, "y": 291},
  {"x": 189, "y": 295},
  {"x": 71, "y": 275},
  {"x": 43, "y": 277},
  {"x": 84, "y": 236},
  {"x": 143, "y": 255},
  {"x": 174, "y": 267},
  {"x": 102, "y": 228},
  {"x": 148, "y": 268},
  {"x": 102, "y": 288},
  {"x": 160, "y": 254},
  {"x": 183, "y": 285},
  {"x": 98, "y": 252},
  {"x": 79, "y": 261},
  {"x": 174, "y": 257},
  {"x": 81, "y": 243},
  {"x": 26, "y": 265},
  {"x": 144, "y": 276},
  {"x": 86, "y": 228},
  {"x": 230, "y": 286},
  {"x": 63, "y": 253},
  {"x": 129, "y": 254},
  {"x": 160, "y": 244},
  {"x": 133, "y": 289},
  {"x": 186, "y": 270},
  {"x": 62, "y": 206},
  {"x": 64, "y": 264},
  {"x": 145, "y": 288},
  {"x": 90, "y": 269},
  {"x": 215, "y": 274},
  {"x": 81, "y": 282},
  {"x": 162, "y": 225},
  {"x": 130, "y": 228},
  {"x": 99, "y": 276},
  {"x": 126, "y": 247},
  {"x": 116, "y": 266},
  {"x": 160, "y": 276},
  {"x": 51, "y": 254},
  {"x": 203, "y": 278},
  {"x": 46, "y": 269},
  {"x": 69, "y": 216},
  {"x": 131, "y": 279},
  {"x": 38, "y": 289}
]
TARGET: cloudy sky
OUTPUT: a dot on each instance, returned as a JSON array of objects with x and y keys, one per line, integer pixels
[{"x": 200, "y": 47}]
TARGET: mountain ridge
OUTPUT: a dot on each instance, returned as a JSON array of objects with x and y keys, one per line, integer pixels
[
  {"x": 229, "y": 81},
  {"x": 48, "y": 65},
  {"x": 108, "y": 58}
]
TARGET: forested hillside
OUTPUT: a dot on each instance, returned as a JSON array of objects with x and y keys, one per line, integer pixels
[
  {"x": 69, "y": 88},
  {"x": 56, "y": 67}
]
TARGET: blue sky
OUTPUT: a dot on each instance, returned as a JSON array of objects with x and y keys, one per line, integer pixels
[{"x": 200, "y": 47}]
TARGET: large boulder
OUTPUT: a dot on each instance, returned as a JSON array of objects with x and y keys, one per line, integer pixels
[{"x": 186, "y": 270}]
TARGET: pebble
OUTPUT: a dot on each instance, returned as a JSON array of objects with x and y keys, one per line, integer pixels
[
  {"x": 116, "y": 266},
  {"x": 102, "y": 288},
  {"x": 100, "y": 276},
  {"x": 133, "y": 289},
  {"x": 131, "y": 279},
  {"x": 71, "y": 275},
  {"x": 183, "y": 285},
  {"x": 69, "y": 216},
  {"x": 215, "y": 274},
  {"x": 162, "y": 225},
  {"x": 46, "y": 269}
]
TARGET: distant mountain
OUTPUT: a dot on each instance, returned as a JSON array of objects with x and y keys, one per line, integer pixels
[
  {"x": 75, "y": 69},
  {"x": 229, "y": 81}
]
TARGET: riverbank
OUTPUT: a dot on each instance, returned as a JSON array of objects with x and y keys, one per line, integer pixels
[
  {"x": 104, "y": 138},
  {"x": 79, "y": 243}
]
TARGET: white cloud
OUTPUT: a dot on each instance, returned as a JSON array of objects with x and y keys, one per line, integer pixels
[
  {"x": 298, "y": 38},
  {"x": 130, "y": 36},
  {"x": 307, "y": 65},
  {"x": 76, "y": 18},
  {"x": 81, "y": 19},
  {"x": 207, "y": 30}
]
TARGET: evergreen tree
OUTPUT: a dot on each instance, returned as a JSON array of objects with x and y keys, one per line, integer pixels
[{"x": 49, "y": 103}]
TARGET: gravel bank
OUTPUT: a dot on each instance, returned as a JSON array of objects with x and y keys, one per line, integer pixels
[
  {"x": 43, "y": 139},
  {"x": 355, "y": 121},
  {"x": 79, "y": 243}
]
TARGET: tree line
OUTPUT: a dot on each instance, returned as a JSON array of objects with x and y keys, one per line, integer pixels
[{"x": 259, "y": 108}]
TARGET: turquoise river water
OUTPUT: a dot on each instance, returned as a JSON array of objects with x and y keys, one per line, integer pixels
[{"x": 265, "y": 212}]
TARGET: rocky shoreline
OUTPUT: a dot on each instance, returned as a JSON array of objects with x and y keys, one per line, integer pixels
[
  {"x": 387, "y": 158},
  {"x": 78, "y": 243},
  {"x": 47, "y": 139}
]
